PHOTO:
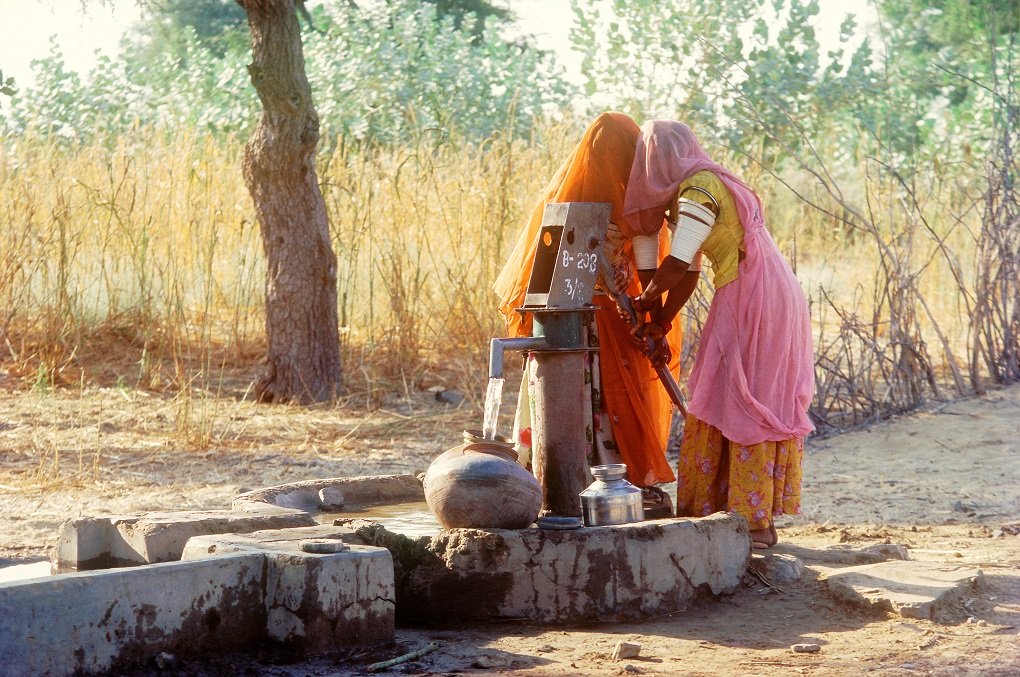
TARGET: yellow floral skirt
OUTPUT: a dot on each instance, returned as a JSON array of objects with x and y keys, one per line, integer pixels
[{"x": 756, "y": 481}]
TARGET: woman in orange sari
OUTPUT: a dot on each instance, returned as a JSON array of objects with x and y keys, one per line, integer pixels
[{"x": 630, "y": 410}]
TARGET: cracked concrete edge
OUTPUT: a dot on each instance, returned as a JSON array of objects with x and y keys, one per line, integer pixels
[
  {"x": 312, "y": 600},
  {"x": 325, "y": 601},
  {"x": 331, "y": 600},
  {"x": 848, "y": 554},
  {"x": 264, "y": 540},
  {"x": 99, "y": 542},
  {"x": 114, "y": 619},
  {"x": 91, "y": 543},
  {"x": 935, "y": 598}
]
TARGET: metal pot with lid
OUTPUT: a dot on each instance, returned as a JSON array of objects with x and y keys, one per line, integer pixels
[{"x": 611, "y": 499}]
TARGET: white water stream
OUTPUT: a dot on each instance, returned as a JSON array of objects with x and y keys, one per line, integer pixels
[{"x": 493, "y": 398}]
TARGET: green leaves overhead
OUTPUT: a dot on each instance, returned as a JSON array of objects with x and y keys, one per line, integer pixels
[
  {"x": 768, "y": 76},
  {"x": 379, "y": 72},
  {"x": 949, "y": 56},
  {"x": 737, "y": 67},
  {"x": 759, "y": 76},
  {"x": 7, "y": 85}
]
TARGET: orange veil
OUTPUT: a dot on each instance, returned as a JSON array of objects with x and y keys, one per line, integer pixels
[{"x": 638, "y": 407}]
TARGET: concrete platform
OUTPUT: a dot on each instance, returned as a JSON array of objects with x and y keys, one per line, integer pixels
[
  {"x": 254, "y": 566},
  {"x": 214, "y": 600},
  {"x": 625, "y": 572},
  {"x": 101, "y": 542},
  {"x": 101, "y": 622},
  {"x": 314, "y": 601}
]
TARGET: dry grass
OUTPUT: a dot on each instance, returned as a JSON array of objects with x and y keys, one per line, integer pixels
[
  {"x": 151, "y": 248},
  {"x": 134, "y": 265},
  {"x": 90, "y": 436}
]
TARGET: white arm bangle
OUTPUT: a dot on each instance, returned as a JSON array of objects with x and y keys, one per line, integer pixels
[
  {"x": 692, "y": 229},
  {"x": 646, "y": 251},
  {"x": 696, "y": 263}
]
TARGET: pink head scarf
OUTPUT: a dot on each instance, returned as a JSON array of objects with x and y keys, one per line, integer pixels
[{"x": 668, "y": 154}]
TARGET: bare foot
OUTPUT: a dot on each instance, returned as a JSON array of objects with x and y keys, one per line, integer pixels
[{"x": 761, "y": 539}]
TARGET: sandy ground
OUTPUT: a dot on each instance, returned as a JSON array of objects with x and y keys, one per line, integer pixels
[{"x": 945, "y": 483}]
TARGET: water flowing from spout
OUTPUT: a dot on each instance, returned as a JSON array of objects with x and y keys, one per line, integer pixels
[{"x": 493, "y": 398}]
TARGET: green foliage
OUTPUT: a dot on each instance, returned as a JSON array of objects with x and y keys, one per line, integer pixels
[
  {"x": 379, "y": 73},
  {"x": 747, "y": 70},
  {"x": 194, "y": 89},
  {"x": 219, "y": 25},
  {"x": 756, "y": 77},
  {"x": 62, "y": 115},
  {"x": 7, "y": 87},
  {"x": 790, "y": 93},
  {"x": 469, "y": 13},
  {"x": 385, "y": 73},
  {"x": 944, "y": 60}
]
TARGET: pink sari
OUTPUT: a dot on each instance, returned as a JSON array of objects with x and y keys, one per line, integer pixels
[{"x": 753, "y": 375}]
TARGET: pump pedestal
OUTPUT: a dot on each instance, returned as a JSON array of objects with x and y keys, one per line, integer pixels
[{"x": 559, "y": 301}]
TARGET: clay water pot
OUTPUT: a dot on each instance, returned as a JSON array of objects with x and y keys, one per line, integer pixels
[{"x": 480, "y": 485}]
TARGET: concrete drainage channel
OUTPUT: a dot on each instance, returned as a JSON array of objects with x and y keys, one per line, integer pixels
[{"x": 266, "y": 571}]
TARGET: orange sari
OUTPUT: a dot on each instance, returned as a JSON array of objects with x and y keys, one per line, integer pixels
[{"x": 637, "y": 405}]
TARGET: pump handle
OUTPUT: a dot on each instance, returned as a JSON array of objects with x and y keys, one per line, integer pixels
[{"x": 622, "y": 300}]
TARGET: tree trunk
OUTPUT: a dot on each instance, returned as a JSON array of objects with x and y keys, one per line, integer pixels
[{"x": 303, "y": 353}]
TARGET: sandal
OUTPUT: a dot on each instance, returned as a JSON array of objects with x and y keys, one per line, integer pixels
[{"x": 657, "y": 503}]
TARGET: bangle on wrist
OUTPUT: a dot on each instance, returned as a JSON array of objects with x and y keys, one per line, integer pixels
[
  {"x": 664, "y": 324},
  {"x": 639, "y": 307}
]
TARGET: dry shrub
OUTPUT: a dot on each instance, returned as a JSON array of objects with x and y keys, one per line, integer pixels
[{"x": 995, "y": 317}]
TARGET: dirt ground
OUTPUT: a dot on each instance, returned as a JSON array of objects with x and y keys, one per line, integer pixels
[{"x": 944, "y": 482}]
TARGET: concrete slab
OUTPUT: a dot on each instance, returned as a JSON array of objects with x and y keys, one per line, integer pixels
[
  {"x": 225, "y": 594},
  {"x": 286, "y": 539},
  {"x": 321, "y": 602},
  {"x": 624, "y": 572},
  {"x": 92, "y": 543},
  {"x": 334, "y": 494},
  {"x": 100, "y": 622},
  {"x": 316, "y": 602},
  {"x": 911, "y": 589}
]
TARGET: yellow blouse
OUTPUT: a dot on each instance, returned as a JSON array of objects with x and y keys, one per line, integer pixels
[{"x": 726, "y": 241}]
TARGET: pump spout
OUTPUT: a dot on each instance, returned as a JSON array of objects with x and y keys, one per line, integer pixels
[{"x": 498, "y": 346}]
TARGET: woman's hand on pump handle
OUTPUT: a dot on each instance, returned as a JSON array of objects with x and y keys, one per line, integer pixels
[
  {"x": 648, "y": 335},
  {"x": 651, "y": 337}
]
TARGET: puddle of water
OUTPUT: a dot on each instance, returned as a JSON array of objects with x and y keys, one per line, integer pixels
[
  {"x": 410, "y": 519},
  {"x": 23, "y": 572}
]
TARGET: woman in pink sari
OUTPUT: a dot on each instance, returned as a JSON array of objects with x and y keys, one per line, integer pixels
[{"x": 753, "y": 374}]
